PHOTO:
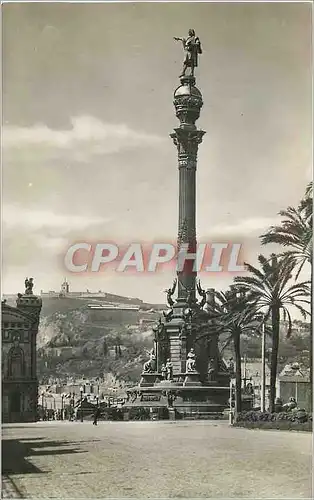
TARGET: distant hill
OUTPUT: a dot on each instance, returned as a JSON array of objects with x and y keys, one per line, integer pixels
[{"x": 93, "y": 333}]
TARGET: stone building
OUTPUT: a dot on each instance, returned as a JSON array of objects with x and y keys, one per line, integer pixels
[
  {"x": 294, "y": 381},
  {"x": 19, "y": 377},
  {"x": 113, "y": 314}
]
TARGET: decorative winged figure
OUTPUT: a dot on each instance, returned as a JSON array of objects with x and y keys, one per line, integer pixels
[
  {"x": 168, "y": 315},
  {"x": 192, "y": 47},
  {"x": 170, "y": 292},
  {"x": 202, "y": 293}
]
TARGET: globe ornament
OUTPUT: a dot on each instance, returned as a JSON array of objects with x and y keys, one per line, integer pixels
[{"x": 188, "y": 102}]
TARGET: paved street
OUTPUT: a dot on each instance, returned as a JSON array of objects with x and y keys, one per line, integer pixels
[{"x": 153, "y": 460}]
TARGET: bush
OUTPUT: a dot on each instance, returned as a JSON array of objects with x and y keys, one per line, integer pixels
[
  {"x": 139, "y": 414},
  {"x": 296, "y": 419}
]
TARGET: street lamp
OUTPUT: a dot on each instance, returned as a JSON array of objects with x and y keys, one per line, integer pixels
[
  {"x": 62, "y": 398},
  {"x": 231, "y": 411},
  {"x": 81, "y": 391},
  {"x": 42, "y": 403},
  {"x": 263, "y": 384}
]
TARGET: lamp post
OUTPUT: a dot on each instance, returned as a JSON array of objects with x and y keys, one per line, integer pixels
[
  {"x": 81, "y": 391},
  {"x": 42, "y": 404},
  {"x": 263, "y": 385},
  {"x": 244, "y": 380},
  {"x": 62, "y": 398},
  {"x": 231, "y": 413}
]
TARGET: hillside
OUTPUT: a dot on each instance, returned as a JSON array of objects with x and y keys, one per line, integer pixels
[
  {"x": 81, "y": 337},
  {"x": 76, "y": 339}
]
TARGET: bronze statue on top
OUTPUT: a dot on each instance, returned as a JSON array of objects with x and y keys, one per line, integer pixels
[{"x": 192, "y": 46}]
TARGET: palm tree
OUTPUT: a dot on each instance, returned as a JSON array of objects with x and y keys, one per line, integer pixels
[
  {"x": 306, "y": 204},
  {"x": 234, "y": 318},
  {"x": 296, "y": 233},
  {"x": 269, "y": 290}
]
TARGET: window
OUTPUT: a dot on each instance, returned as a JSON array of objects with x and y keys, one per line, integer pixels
[{"x": 16, "y": 362}]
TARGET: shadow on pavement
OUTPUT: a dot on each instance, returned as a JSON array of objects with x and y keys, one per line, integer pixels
[{"x": 16, "y": 453}]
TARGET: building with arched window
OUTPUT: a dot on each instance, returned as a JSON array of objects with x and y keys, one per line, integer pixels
[{"x": 19, "y": 377}]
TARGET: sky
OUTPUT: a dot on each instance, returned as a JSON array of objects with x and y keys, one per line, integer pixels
[{"x": 87, "y": 113}]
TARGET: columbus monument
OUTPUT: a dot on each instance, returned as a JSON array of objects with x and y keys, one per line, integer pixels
[{"x": 185, "y": 372}]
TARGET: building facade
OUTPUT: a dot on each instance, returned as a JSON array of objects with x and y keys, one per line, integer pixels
[
  {"x": 19, "y": 376},
  {"x": 100, "y": 314},
  {"x": 294, "y": 381}
]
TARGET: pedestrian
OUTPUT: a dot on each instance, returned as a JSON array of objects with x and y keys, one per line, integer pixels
[{"x": 96, "y": 415}]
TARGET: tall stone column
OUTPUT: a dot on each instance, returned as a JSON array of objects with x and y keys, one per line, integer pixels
[
  {"x": 188, "y": 102},
  {"x": 31, "y": 305}
]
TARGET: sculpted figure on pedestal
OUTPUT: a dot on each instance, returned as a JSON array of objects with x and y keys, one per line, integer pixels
[
  {"x": 169, "y": 369},
  {"x": 211, "y": 369},
  {"x": 150, "y": 365},
  {"x": 191, "y": 361},
  {"x": 29, "y": 286},
  {"x": 192, "y": 47}
]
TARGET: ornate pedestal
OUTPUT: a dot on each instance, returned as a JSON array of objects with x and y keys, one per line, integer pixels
[
  {"x": 148, "y": 379},
  {"x": 192, "y": 379}
]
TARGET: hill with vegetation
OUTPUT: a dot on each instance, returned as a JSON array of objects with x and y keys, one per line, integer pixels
[{"x": 69, "y": 344}]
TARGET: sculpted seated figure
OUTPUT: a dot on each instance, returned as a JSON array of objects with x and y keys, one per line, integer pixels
[
  {"x": 191, "y": 361},
  {"x": 291, "y": 405},
  {"x": 150, "y": 365}
]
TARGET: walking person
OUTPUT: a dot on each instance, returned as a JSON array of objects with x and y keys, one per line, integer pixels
[{"x": 96, "y": 415}]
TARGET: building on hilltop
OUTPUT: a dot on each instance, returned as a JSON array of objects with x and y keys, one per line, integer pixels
[
  {"x": 65, "y": 292},
  {"x": 113, "y": 314},
  {"x": 65, "y": 288},
  {"x": 19, "y": 377}
]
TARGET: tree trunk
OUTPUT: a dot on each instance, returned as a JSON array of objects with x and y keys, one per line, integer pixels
[
  {"x": 275, "y": 319},
  {"x": 238, "y": 388}
]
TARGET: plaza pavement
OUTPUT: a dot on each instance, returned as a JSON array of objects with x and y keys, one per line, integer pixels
[{"x": 153, "y": 460}]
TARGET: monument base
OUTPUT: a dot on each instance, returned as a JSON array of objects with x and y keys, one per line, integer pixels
[
  {"x": 185, "y": 397},
  {"x": 148, "y": 379},
  {"x": 192, "y": 379}
]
